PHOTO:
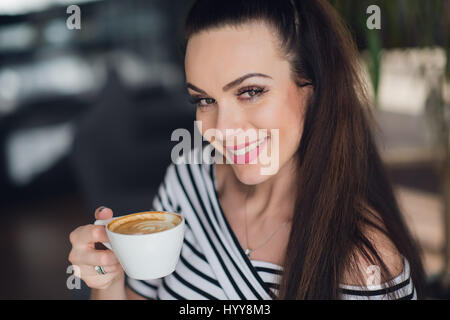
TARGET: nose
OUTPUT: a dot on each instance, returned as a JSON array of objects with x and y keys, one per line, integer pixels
[
  {"x": 231, "y": 122},
  {"x": 234, "y": 127}
]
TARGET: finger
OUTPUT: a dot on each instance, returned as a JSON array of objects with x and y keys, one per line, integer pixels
[
  {"x": 97, "y": 257},
  {"x": 88, "y": 234},
  {"x": 89, "y": 270},
  {"x": 103, "y": 213}
]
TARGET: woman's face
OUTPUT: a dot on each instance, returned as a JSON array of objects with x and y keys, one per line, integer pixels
[{"x": 264, "y": 96}]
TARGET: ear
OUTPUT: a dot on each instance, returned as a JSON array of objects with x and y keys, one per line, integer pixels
[
  {"x": 305, "y": 88},
  {"x": 303, "y": 84}
]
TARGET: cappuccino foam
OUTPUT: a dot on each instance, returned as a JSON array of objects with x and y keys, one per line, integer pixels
[{"x": 145, "y": 223}]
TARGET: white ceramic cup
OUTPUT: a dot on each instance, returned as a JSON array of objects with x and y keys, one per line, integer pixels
[{"x": 146, "y": 256}]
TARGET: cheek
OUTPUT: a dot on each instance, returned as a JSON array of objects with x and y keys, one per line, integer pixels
[
  {"x": 207, "y": 120},
  {"x": 295, "y": 120},
  {"x": 288, "y": 116},
  {"x": 290, "y": 120}
]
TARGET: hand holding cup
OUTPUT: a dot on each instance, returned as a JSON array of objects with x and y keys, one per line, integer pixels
[{"x": 84, "y": 256}]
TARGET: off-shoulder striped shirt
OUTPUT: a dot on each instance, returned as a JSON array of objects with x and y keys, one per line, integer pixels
[{"x": 212, "y": 263}]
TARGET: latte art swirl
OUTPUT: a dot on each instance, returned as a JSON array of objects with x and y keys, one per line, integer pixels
[
  {"x": 145, "y": 223},
  {"x": 144, "y": 226}
]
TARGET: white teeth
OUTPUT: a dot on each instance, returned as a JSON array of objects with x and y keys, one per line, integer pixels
[{"x": 248, "y": 148}]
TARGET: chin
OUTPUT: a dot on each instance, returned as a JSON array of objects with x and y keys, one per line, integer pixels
[{"x": 249, "y": 174}]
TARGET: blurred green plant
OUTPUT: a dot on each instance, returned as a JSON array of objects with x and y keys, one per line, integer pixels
[
  {"x": 374, "y": 47},
  {"x": 404, "y": 24}
]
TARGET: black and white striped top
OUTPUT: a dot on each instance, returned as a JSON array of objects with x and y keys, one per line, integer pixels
[{"x": 212, "y": 263}]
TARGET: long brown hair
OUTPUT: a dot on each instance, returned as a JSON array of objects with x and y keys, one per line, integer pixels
[{"x": 342, "y": 185}]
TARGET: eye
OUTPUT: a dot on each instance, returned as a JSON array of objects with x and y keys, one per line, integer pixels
[
  {"x": 201, "y": 102},
  {"x": 250, "y": 93},
  {"x": 205, "y": 101}
]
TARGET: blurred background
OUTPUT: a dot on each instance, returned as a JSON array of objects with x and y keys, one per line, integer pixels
[{"x": 86, "y": 117}]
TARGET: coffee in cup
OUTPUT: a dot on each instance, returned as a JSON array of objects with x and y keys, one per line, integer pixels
[
  {"x": 147, "y": 244},
  {"x": 145, "y": 222}
]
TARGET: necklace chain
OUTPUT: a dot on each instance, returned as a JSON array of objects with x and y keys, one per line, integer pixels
[{"x": 249, "y": 251}]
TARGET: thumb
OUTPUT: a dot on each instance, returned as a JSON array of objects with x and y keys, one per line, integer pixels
[{"x": 103, "y": 213}]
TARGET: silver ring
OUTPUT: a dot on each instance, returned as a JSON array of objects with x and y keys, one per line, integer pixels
[{"x": 99, "y": 270}]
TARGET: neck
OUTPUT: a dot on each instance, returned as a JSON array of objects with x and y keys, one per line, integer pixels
[{"x": 271, "y": 199}]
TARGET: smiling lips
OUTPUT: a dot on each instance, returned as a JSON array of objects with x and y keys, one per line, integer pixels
[{"x": 246, "y": 153}]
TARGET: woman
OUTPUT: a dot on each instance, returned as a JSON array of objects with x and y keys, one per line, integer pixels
[{"x": 326, "y": 225}]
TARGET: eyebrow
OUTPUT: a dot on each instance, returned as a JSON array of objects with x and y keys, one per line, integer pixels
[{"x": 232, "y": 83}]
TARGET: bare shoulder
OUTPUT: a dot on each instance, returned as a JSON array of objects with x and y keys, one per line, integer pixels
[{"x": 385, "y": 249}]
